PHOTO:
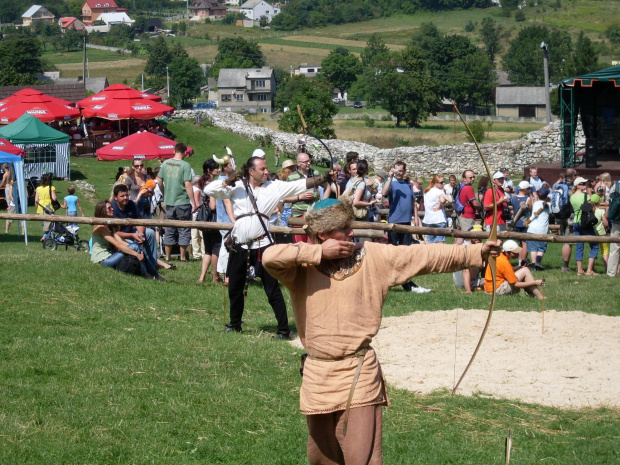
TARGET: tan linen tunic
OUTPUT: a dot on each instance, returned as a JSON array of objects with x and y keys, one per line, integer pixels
[{"x": 337, "y": 306}]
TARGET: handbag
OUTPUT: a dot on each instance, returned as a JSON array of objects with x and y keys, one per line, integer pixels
[
  {"x": 360, "y": 213},
  {"x": 206, "y": 214},
  {"x": 55, "y": 203}
]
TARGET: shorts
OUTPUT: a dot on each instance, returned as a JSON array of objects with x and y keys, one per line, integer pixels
[
  {"x": 506, "y": 289},
  {"x": 212, "y": 241},
  {"x": 10, "y": 210},
  {"x": 465, "y": 224},
  {"x": 566, "y": 228},
  {"x": 536, "y": 246},
  {"x": 180, "y": 236}
]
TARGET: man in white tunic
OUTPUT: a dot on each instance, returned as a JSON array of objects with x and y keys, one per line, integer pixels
[{"x": 250, "y": 233}]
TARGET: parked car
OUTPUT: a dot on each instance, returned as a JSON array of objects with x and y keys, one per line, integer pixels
[
  {"x": 336, "y": 100},
  {"x": 358, "y": 105}
]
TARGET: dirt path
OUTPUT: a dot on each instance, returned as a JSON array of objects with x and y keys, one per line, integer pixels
[{"x": 574, "y": 364}]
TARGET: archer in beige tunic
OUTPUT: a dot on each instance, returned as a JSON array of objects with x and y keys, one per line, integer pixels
[{"x": 338, "y": 304}]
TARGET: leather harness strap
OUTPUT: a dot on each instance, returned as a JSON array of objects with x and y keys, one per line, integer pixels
[
  {"x": 251, "y": 214},
  {"x": 360, "y": 354}
]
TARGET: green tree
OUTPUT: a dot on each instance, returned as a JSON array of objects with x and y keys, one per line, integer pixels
[
  {"x": 186, "y": 77},
  {"x": 491, "y": 34},
  {"x": 314, "y": 98},
  {"x": 472, "y": 80},
  {"x": 158, "y": 58},
  {"x": 613, "y": 33},
  {"x": 374, "y": 52},
  {"x": 23, "y": 54},
  {"x": 182, "y": 28},
  {"x": 285, "y": 22},
  {"x": 341, "y": 68},
  {"x": 524, "y": 59},
  {"x": 237, "y": 52},
  {"x": 584, "y": 59},
  {"x": 411, "y": 95}
]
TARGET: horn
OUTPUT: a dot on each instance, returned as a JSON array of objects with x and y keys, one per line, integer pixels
[{"x": 225, "y": 159}]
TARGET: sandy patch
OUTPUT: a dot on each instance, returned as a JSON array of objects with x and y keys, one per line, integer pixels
[{"x": 574, "y": 364}]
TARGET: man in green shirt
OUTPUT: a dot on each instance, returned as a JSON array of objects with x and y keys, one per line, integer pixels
[{"x": 174, "y": 180}]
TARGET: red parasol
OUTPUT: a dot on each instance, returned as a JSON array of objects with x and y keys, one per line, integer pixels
[
  {"x": 116, "y": 91},
  {"x": 116, "y": 109},
  {"x": 26, "y": 95},
  {"x": 44, "y": 107},
  {"x": 141, "y": 145},
  {"x": 6, "y": 146}
]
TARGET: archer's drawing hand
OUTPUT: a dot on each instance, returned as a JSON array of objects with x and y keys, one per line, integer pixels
[
  {"x": 491, "y": 248},
  {"x": 232, "y": 181},
  {"x": 333, "y": 249}
]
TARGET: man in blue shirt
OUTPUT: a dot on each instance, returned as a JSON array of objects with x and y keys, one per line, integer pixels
[
  {"x": 403, "y": 208},
  {"x": 145, "y": 237}
]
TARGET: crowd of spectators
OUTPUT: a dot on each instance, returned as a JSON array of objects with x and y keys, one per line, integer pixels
[{"x": 523, "y": 206}]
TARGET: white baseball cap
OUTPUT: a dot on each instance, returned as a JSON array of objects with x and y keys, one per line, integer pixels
[
  {"x": 580, "y": 180},
  {"x": 524, "y": 185},
  {"x": 511, "y": 246},
  {"x": 498, "y": 174},
  {"x": 259, "y": 153}
]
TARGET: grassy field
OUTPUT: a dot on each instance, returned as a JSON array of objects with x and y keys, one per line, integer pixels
[{"x": 102, "y": 368}]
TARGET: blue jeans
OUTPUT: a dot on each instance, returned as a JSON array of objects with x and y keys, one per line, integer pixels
[
  {"x": 579, "y": 231},
  {"x": 116, "y": 258},
  {"x": 430, "y": 239}
]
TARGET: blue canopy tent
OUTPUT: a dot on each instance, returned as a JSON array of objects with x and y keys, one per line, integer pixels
[{"x": 21, "y": 204}]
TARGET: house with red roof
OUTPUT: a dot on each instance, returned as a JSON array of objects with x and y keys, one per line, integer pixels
[
  {"x": 71, "y": 23},
  {"x": 92, "y": 9}
]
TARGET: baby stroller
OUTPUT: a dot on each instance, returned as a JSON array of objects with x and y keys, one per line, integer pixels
[{"x": 61, "y": 234}]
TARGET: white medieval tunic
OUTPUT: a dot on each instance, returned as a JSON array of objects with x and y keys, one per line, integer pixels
[
  {"x": 338, "y": 304},
  {"x": 267, "y": 197}
]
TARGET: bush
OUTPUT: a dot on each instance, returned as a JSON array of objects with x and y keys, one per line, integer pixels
[
  {"x": 264, "y": 141},
  {"x": 386, "y": 118},
  {"x": 477, "y": 129},
  {"x": 519, "y": 16},
  {"x": 368, "y": 121},
  {"x": 206, "y": 122},
  {"x": 470, "y": 26}
]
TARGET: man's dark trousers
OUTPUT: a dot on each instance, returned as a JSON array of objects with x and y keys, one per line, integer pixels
[{"x": 237, "y": 271}]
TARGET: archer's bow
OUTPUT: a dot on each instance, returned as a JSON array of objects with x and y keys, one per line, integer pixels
[
  {"x": 305, "y": 127},
  {"x": 492, "y": 237}
]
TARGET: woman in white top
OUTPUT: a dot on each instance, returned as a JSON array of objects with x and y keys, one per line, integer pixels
[
  {"x": 197, "y": 246},
  {"x": 538, "y": 223},
  {"x": 362, "y": 198},
  {"x": 434, "y": 214}
]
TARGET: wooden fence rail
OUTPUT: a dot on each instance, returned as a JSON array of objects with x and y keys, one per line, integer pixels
[{"x": 362, "y": 229}]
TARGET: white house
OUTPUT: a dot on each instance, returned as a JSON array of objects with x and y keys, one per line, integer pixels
[
  {"x": 307, "y": 70},
  {"x": 256, "y": 9},
  {"x": 115, "y": 18}
]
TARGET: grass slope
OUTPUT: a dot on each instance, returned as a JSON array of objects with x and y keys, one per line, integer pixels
[{"x": 100, "y": 368}]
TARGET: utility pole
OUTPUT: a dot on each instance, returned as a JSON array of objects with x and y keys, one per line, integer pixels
[
  {"x": 168, "y": 82},
  {"x": 84, "y": 35},
  {"x": 545, "y": 49}
]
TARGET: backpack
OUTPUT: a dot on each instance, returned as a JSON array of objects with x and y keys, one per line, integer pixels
[
  {"x": 560, "y": 205},
  {"x": 130, "y": 265},
  {"x": 457, "y": 204},
  {"x": 588, "y": 218},
  {"x": 206, "y": 214},
  {"x": 613, "y": 214}
]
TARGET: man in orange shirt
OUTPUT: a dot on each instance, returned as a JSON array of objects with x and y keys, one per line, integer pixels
[{"x": 509, "y": 280}]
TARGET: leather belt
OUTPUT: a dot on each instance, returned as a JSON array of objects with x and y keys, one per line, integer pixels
[
  {"x": 251, "y": 214},
  {"x": 360, "y": 354}
]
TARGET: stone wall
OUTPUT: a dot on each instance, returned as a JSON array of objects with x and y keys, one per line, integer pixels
[{"x": 543, "y": 146}]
